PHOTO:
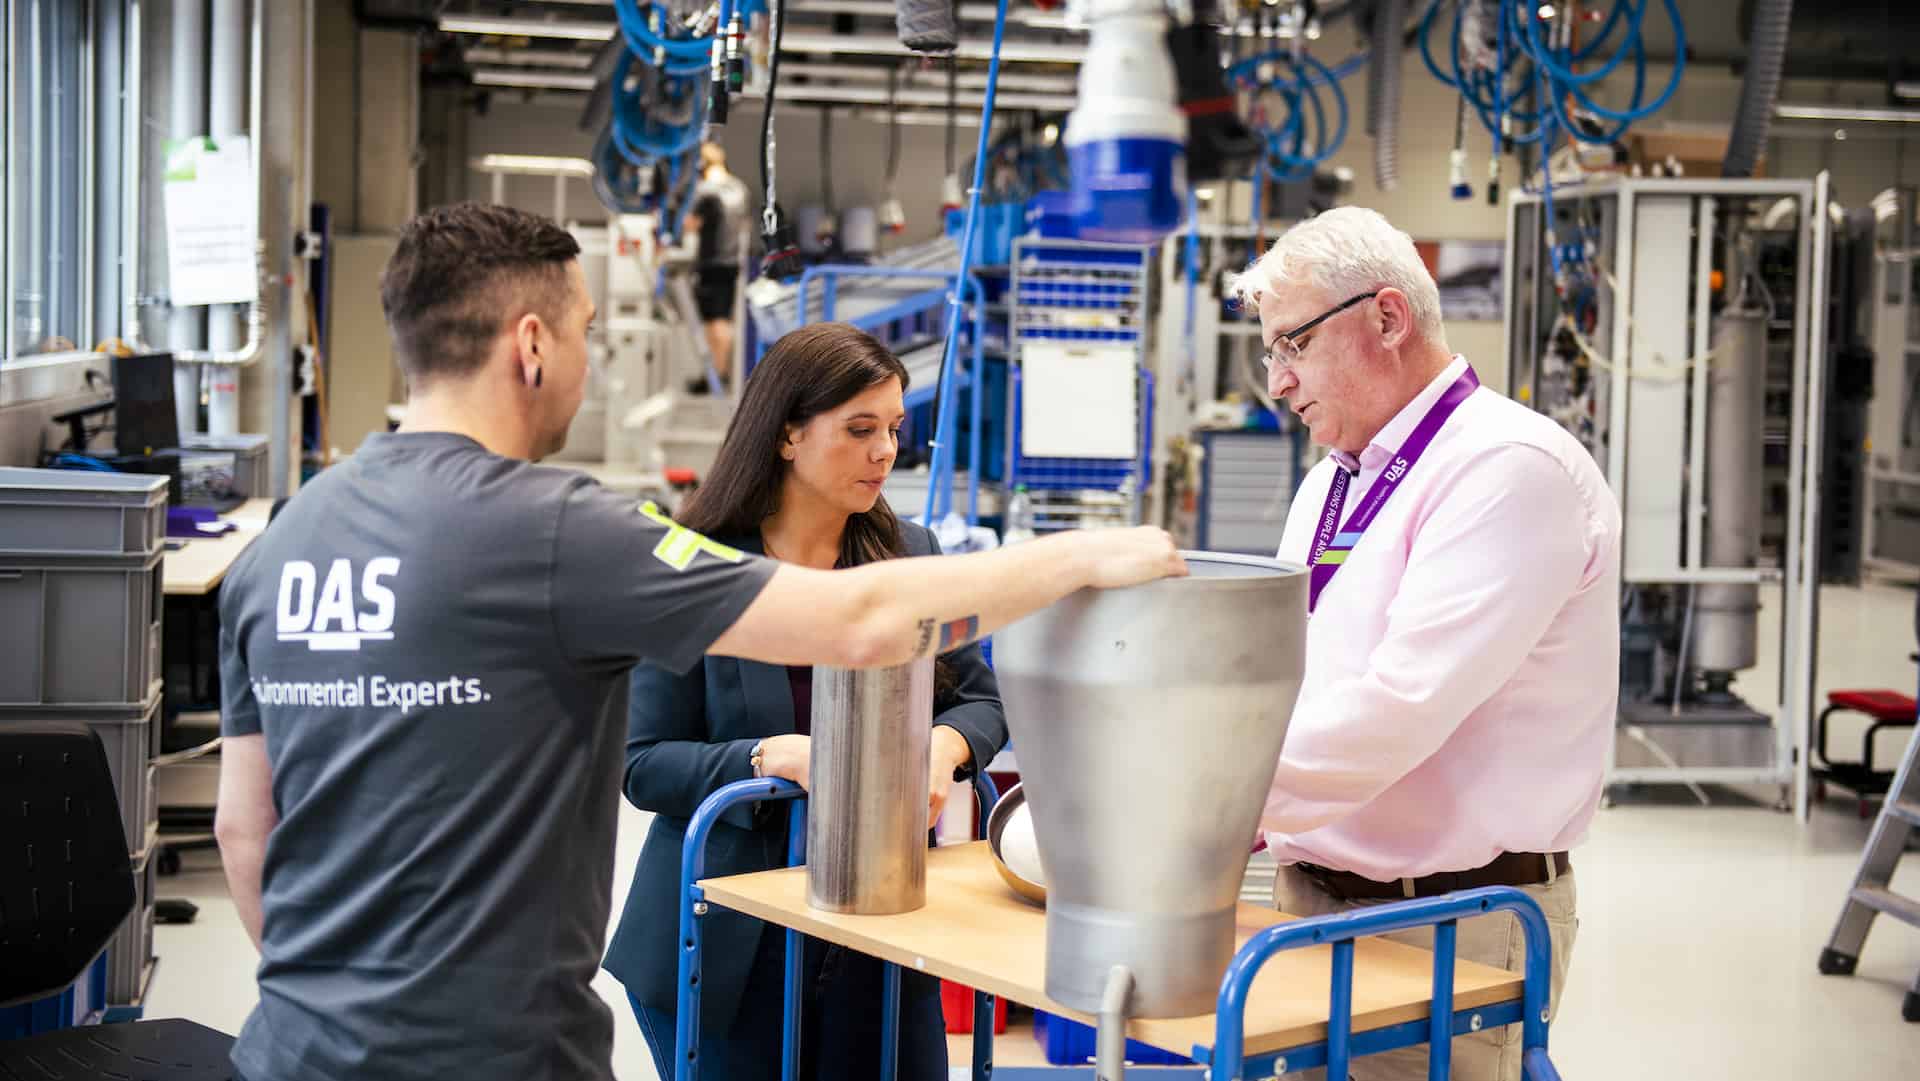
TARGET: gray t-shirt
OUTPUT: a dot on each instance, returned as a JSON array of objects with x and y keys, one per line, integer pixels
[{"x": 435, "y": 641}]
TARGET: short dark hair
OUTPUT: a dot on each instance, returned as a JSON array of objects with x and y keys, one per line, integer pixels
[{"x": 460, "y": 273}]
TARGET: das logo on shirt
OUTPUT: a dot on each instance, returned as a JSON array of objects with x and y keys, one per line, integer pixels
[{"x": 327, "y": 613}]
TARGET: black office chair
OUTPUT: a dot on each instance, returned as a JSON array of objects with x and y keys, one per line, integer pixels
[{"x": 66, "y": 885}]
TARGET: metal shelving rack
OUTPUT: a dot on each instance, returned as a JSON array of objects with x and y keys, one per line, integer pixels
[{"x": 1080, "y": 291}]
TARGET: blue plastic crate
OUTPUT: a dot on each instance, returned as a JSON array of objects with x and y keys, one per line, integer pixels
[{"x": 1069, "y": 1043}]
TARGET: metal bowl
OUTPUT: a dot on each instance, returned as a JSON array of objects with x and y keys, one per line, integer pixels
[{"x": 1010, "y": 801}]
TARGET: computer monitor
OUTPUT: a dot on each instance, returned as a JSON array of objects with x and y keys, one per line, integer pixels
[{"x": 144, "y": 420}]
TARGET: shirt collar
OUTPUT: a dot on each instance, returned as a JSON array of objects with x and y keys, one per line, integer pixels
[{"x": 1387, "y": 442}]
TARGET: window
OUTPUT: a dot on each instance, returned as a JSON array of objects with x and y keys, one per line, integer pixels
[{"x": 59, "y": 241}]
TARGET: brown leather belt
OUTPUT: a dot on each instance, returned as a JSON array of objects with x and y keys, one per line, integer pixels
[{"x": 1507, "y": 869}]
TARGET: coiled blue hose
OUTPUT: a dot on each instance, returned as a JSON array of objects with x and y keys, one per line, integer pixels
[
  {"x": 1290, "y": 154},
  {"x": 1549, "y": 70},
  {"x": 660, "y": 121}
]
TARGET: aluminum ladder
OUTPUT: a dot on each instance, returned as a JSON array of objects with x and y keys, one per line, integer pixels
[{"x": 1872, "y": 893}]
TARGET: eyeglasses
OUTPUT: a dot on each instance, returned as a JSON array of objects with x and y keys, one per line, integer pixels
[{"x": 1286, "y": 348}]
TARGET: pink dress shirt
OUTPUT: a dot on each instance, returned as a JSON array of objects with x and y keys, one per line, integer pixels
[{"x": 1462, "y": 669}]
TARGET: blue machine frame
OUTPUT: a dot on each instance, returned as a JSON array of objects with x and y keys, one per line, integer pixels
[{"x": 1226, "y": 1060}]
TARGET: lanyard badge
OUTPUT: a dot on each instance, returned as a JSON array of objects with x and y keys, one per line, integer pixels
[{"x": 1331, "y": 544}]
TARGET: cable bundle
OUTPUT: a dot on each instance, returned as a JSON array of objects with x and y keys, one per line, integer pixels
[
  {"x": 647, "y": 158},
  {"x": 1297, "y": 144}
]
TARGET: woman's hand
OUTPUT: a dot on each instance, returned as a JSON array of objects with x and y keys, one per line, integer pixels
[
  {"x": 950, "y": 752},
  {"x": 786, "y": 757}
]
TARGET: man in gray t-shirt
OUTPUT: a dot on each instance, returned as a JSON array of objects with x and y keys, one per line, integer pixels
[
  {"x": 423, "y": 662},
  {"x": 437, "y": 629}
]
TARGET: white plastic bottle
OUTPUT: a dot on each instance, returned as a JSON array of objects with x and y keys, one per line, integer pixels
[{"x": 1019, "y": 525}]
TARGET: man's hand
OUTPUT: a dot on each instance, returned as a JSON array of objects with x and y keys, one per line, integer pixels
[
  {"x": 1127, "y": 557},
  {"x": 950, "y": 752},
  {"x": 786, "y": 757}
]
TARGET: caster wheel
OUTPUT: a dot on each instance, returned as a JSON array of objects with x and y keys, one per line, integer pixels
[{"x": 168, "y": 862}]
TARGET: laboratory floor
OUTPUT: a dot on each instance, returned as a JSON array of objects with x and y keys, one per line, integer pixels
[{"x": 1700, "y": 926}]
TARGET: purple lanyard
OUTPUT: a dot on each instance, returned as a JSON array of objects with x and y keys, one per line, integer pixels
[{"x": 1331, "y": 543}]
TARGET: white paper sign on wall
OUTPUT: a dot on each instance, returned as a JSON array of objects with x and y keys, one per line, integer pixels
[
  {"x": 1078, "y": 400},
  {"x": 212, "y": 221}
]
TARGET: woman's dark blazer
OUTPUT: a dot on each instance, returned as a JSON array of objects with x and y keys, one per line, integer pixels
[{"x": 689, "y": 735}]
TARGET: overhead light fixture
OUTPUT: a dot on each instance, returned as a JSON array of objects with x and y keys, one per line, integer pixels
[
  {"x": 526, "y": 28},
  {"x": 533, "y": 165},
  {"x": 1847, "y": 114},
  {"x": 532, "y": 80},
  {"x": 796, "y": 41}
]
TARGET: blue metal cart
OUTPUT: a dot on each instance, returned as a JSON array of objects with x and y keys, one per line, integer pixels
[{"x": 1226, "y": 1059}]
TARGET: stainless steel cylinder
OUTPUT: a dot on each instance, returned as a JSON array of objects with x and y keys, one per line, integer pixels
[
  {"x": 1726, "y": 627},
  {"x": 867, "y": 789},
  {"x": 1148, "y": 723}
]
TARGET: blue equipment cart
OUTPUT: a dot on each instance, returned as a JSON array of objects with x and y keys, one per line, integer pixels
[{"x": 1371, "y": 1005}]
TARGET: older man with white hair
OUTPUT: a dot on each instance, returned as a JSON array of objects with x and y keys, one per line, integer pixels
[{"x": 1463, "y": 647}]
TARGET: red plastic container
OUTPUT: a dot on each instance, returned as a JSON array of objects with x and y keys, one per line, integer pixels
[{"x": 956, "y": 1002}]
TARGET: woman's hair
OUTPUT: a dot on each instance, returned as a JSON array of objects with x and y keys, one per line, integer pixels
[
  {"x": 818, "y": 367},
  {"x": 807, "y": 372}
]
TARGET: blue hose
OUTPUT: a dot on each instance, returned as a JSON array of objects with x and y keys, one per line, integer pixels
[
  {"x": 1550, "y": 71},
  {"x": 1287, "y": 156},
  {"x": 642, "y": 40}
]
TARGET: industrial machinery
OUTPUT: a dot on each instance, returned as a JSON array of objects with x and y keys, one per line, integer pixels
[
  {"x": 1892, "y": 524},
  {"x": 1671, "y": 326}
]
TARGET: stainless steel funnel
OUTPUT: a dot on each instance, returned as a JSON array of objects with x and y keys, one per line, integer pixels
[{"x": 1147, "y": 723}]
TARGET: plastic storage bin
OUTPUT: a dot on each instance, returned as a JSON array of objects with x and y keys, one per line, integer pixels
[
  {"x": 1070, "y": 1043},
  {"x": 68, "y": 512},
  {"x": 956, "y": 1004},
  {"x": 128, "y": 734},
  {"x": 79, "y": 632},
  {"x": 130, "y": 953},
  {"x": 215, "y": 467}
]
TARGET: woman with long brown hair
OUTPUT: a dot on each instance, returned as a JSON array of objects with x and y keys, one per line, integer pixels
[{"x": 798, "y": 478}]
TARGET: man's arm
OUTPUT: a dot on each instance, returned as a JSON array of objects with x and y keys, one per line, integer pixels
[
  {"x": 243, "y": 820},
  {"x": 897, "y": 610},
  {"x": 1486, "y": 577}
]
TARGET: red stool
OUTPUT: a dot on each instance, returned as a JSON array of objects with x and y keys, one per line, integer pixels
[{"x": 1887, "y": 709}]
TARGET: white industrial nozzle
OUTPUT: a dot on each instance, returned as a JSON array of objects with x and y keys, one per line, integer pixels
[
  {"x": 1126, "y": 139},
  {"x": 1457, "y": 174}
]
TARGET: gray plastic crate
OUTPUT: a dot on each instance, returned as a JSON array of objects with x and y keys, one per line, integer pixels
[
  {"x": 68, "y": 512},
  {"x": 79, "y": 632},
  {"x": 130, "y": 736},
  {"x": 130, "y": 952},
  {"x": 223, "y": 466}
]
